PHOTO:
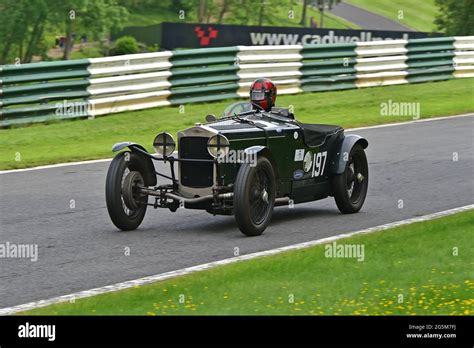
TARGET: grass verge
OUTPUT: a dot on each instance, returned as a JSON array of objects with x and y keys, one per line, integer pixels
[
  {"x": 408, "y": 270},
  {"x": 418, "y": 15},
  {"x": 68, "y": 141}
]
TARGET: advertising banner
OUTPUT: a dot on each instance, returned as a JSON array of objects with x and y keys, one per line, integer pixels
[{"x": 188, "y": 35}]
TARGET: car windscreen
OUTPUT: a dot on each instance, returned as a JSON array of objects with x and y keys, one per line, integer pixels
[{"x": 237, "y": 108}]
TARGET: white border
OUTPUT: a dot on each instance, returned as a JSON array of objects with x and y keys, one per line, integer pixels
[
  {"x": 159, "y": 277},
  {"x": 49, "y": 166},
  {"x": 440, "y": 118}
]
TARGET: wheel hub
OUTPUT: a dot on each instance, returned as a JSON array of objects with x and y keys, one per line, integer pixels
[
  {"x": 265, "y": 196},
  {"x": 130, "y": 190}
]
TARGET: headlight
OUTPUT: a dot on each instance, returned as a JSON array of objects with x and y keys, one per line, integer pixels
[
  {"x": 218, "y": 146},
  {"x": 164, "y": 144}
]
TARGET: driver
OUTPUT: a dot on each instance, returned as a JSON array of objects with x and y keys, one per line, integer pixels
[{"x": 263, "y": 94}]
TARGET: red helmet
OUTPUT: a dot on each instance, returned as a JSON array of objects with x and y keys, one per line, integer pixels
[{"x": 263, "y": 92}]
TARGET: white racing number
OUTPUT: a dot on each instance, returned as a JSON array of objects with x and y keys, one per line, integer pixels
[{"x": 319, "y": 163}]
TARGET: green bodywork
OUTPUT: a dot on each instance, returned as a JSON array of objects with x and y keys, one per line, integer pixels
[{"x": 282, "y": 140}]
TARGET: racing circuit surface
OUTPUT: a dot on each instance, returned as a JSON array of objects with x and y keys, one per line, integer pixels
[{"x": 80, "y": 249}]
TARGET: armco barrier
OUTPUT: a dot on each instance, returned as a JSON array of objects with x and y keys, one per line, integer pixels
[{"x": 88, "y": 87}]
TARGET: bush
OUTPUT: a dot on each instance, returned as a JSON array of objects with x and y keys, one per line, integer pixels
[
  {"x": 87, "y": 52},
  {"x": 126, "y": 45}
]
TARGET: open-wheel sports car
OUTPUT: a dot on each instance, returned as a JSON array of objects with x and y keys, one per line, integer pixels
[{"x": 244, "y": 164}]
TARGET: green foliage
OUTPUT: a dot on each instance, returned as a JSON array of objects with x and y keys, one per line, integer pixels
[
  {"x": 24, "y": 24},
  {"x": 126, "y": 45},
  {"x": 21, "y": 30},
  {"x": 98, "y": 18},
  {"x": 269, "y": 12},
  {"x": 182, "y": 5},
  {"x": 456, "y": 17},
  {"x": 153, "y": 48},
  {"x": 28, "y": 27},
  {"x": 87, "y": 52}
]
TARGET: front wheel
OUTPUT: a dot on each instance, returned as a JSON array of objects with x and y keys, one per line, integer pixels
[
  {"x": 125, "y": 203},
  {"x": 350, "y": 187},
  {"x": 254, "y": 196}
]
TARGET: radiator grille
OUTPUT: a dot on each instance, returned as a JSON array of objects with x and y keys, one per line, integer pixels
[{"x": 195, "y": 174}]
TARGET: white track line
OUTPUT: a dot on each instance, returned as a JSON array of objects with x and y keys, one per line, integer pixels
[
  {"x": 411, "y": 122},
  {"x": 159, "y": 277},
  {"x": 348, "y": 130},
  {"x": 49, "y": 166},
  {"x": 58, "y": 165}
]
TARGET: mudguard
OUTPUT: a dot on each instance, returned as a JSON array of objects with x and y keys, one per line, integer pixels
[
  {"x": 338, "y": 164},
  {"x": 149, "y": 168},
  {"x": 119, "y": 146},
  {"x": 265, "y": 151}
]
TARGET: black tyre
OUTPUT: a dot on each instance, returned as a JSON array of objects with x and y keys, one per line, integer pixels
[
  {"x": 126, "y": 205},
  {"x": 350, "y": 187},
  {"x": 254, "y": 196}
]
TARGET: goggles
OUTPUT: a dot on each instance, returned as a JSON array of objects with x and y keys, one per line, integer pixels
[{"x": 257, "y": 95}]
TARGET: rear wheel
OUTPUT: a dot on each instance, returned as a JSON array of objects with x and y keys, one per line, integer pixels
[
  {"x": 125, "y": 203},
  {"x": 254, "y": 197},
  {"x": 350, "y": 187}
]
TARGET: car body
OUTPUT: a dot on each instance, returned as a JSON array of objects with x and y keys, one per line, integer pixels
[{"x": 244, "y": 163}]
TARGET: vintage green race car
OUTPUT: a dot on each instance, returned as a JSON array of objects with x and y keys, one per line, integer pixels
[{"x": 244, "y": 163}]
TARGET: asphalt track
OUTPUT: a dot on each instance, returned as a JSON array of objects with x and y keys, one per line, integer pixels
[
  {"x": 80, "y": 249},
  {"x": 366, "y": 19}
]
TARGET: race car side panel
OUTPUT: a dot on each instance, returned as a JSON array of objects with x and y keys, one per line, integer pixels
[{"x": 311, "y": 177}]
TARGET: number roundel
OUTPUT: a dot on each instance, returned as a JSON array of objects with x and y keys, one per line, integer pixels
[
  {"x": 308, "y": 161},
  {"x": 319, "y": 163}
]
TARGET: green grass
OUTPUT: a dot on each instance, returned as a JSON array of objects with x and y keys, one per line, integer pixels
[
  {"x": 332, "y": 21},
  {"x": 418, "y": 15},
  {"x": 280, "y": 18},
  {"x": 69, "y": 141},
  {"x": 417, "y": 264},
  {"x": 87, "y": 52},
  {"x": 153, "y": 16}
]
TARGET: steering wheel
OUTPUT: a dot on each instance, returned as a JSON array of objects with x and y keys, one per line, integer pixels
[{"x": 258, "y": 106}]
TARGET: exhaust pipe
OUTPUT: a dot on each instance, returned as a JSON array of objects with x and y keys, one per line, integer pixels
[
  {"x": 278, "y": 202},
  {"x": 282, "y": 201},
  {"x": 198, "y": 199}
]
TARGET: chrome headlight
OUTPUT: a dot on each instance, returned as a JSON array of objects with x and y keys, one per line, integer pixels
[
  {"x": 164, "y": 144},
  {"x": 218, "y": 146}
]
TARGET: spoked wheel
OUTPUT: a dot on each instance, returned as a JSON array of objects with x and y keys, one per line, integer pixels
[
  {"x": 350, "y": 187},
  {"x": 254, "y": 197},
  {"x": 125, "y": 203}
]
